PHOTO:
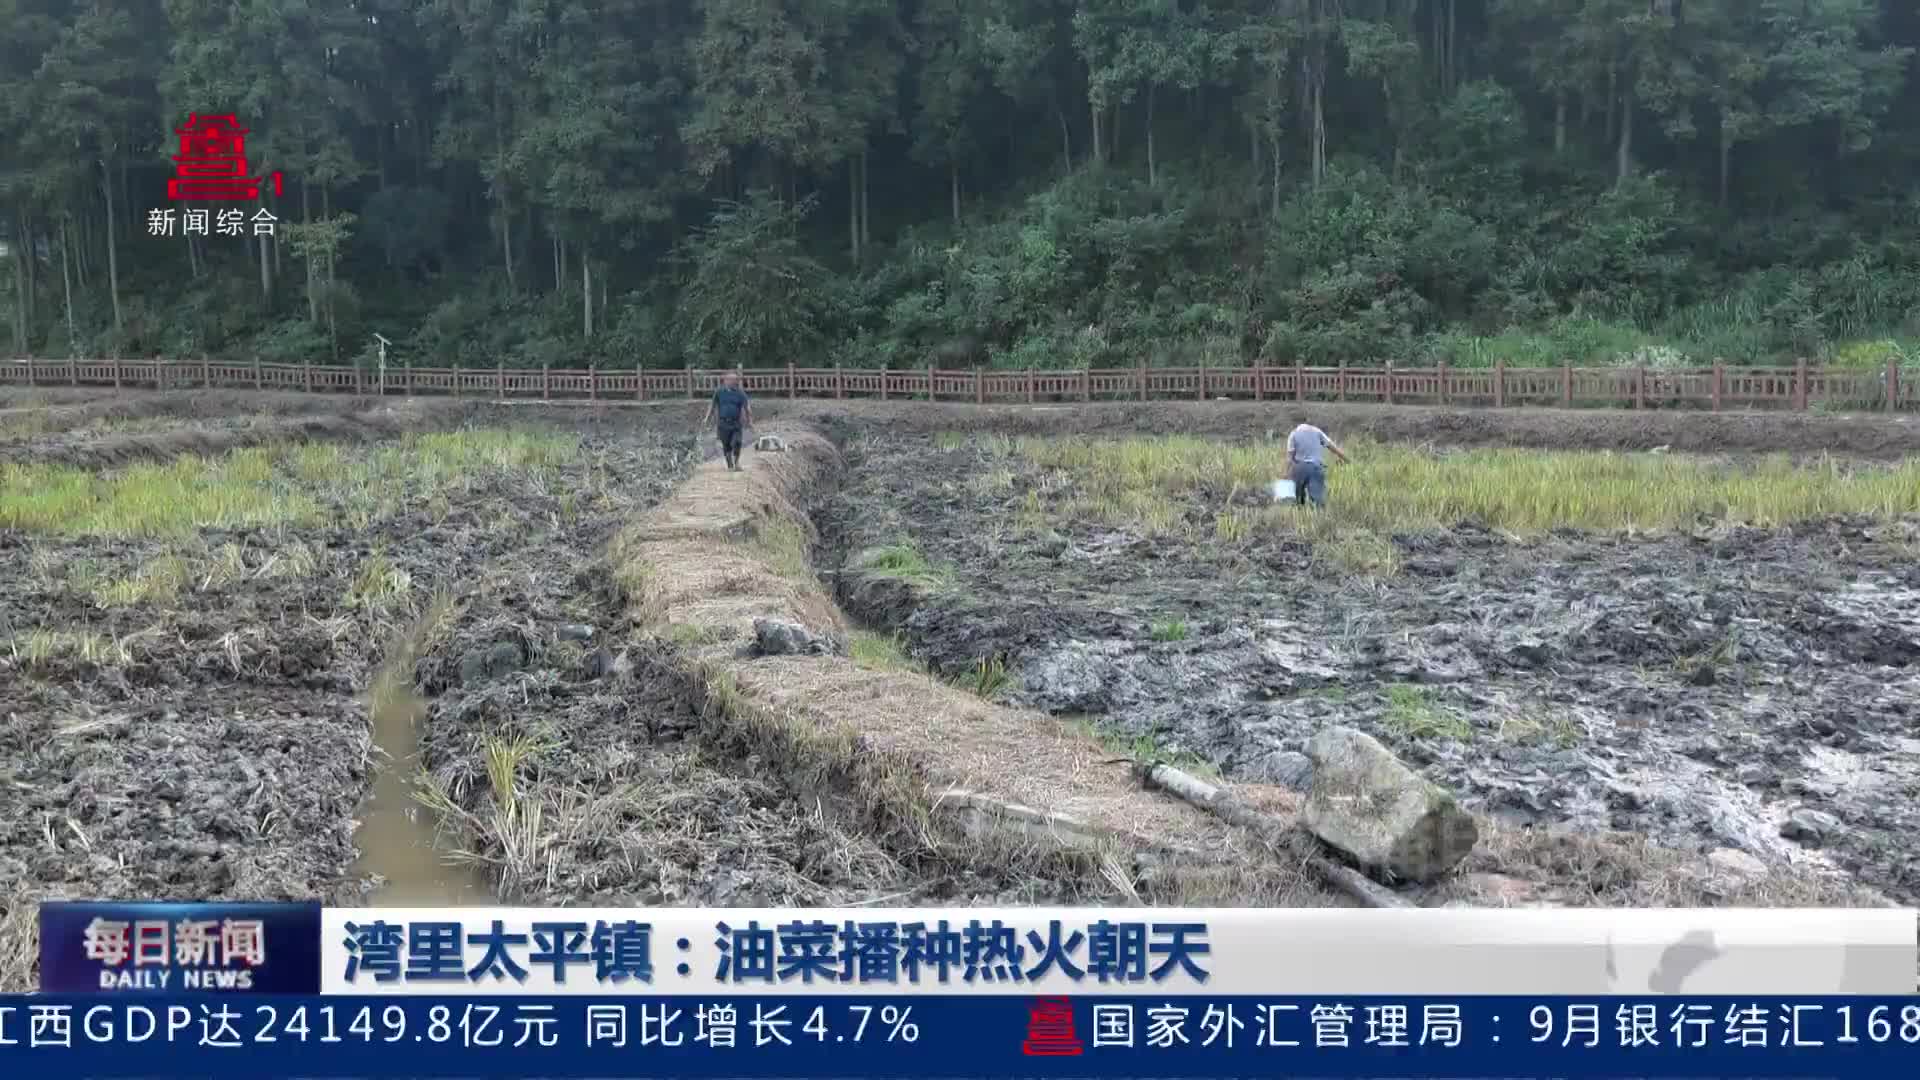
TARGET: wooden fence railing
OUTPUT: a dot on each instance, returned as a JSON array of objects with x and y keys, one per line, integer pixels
[{"x": 1799, "y": 387}]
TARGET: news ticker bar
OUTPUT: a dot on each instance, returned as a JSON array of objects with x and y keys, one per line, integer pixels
[
  {"x": 305, "y": 949},
  {"x": 960, "y": 1035}
]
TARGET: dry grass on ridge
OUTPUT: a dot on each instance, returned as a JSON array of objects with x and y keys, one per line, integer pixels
[{"x": 710, "y": 559}]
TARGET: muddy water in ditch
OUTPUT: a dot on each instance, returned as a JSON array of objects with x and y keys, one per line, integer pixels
[{"x": 398, "y": 837}]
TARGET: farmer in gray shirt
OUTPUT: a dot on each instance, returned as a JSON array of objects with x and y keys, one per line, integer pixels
[{"x": 1306, "y": 467}]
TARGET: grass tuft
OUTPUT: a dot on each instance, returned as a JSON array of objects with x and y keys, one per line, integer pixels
[
  {"x": 157, "y": 581},
  {"x": 881, "y": 652},
  {"x": 1169, "y": 630},
  {"x": 903, "y": 562},
  {"x": 986, "y": 678},
  {"x": 1413, "y": 714}
]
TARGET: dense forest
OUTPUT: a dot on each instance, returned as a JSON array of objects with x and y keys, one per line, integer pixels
[{"x": 1010, "y": 182}]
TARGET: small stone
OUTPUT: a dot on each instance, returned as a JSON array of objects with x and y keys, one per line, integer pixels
[
  {"x": 491, "y": 661},
  {"x": 1737, "y": 864},
  {"x": 1368, "y": 804},
  {"x": 1530, "y": 652},
  {"x": 1751, "y": 775},
  {"x": 576, "y": 632},
  {"x": 1810, "y": 827}
]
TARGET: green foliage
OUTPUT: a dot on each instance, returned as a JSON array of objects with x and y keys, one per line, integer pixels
[
  {"x": 1065, "y": 184},
  {"x": 750, "y": 295}
]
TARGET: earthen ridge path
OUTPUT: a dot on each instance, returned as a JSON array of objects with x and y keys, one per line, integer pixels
[{"x": 709, "y": 573}]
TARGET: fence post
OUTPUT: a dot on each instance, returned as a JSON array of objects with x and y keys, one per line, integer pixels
[
  {"x": 1299, "y": 379},
  {"x": 1342, "y": 384},
  {"x": 1500, "y": 383},
  {"x": 1443, "y": 382},
  {"x": 1800, "y": 383},
  {"x": 1029, "y": 386},
  {"x": 1389, "y": 382},
  {"x": 793, "y": 382},
  {"x": 883, "y": 382},
  {"x": 546, "y": 383},
  {"x": 1259, "y": 380},
  {"x": 979, "y": 388},
  {"x": 1086, "y": 384},
  {"x": 456, "y": 378},
  {"x": 1893, "y": 384},
  {"x": 1719, "y": 383},
  {"x": 256, "y": 373},
  {"x": 73, "y": 371},
  {"x": 30, "y": 366},
  {"x": 933, "y": 384},
  {"x": 206, "y": 373},
  {"x": 690, "y": 394},
  {"x": 1640, "y": 386},
  {"x": 1200, "y": 391},
  {"x": 116, "y": 374},
  {"x": 639, "y": 379},
  {"x": 839, "y": 382},
  {"x": 500, "y": 380},
  {"x": 593, "y": 383},
  {"x": 1566, "y": 385},
  {"x": 359, "y": 384},
  {"x": 306, "y": 374},
  {"x": 1143, "y": 378}
]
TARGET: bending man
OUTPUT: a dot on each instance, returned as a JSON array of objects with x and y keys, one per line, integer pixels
[{"x": 1305, "y": 467}]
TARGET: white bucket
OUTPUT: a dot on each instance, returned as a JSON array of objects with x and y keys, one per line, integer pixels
[{"x": 1283, "y": 491}]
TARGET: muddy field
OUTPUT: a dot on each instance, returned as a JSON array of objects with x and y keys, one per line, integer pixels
[
  {"x": 1719, "y": 691},
  {"x": 197, "y": 652},
  {"x": 207, "y": 607},
  {"x": 184, "y": 711}
]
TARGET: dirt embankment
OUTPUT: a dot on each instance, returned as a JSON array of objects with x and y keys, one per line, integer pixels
[
  {"x": 981, "y": 801},
  {"x": 1731, "y": 690},
  {"x": 570, "y": 749}
]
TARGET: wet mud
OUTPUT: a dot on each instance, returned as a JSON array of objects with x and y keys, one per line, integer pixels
[
  {"x": 1737, "y": 689},
  {"x": 217, "y": 742}
]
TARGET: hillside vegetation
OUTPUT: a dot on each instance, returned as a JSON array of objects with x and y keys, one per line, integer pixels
[{"x": 1011, "y": 182}]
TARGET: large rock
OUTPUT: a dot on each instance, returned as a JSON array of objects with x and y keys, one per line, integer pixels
[
  {"x": 781, "y": 637},
  {"x": 1389, "y": 818}
]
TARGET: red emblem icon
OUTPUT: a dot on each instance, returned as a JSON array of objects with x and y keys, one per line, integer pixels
[
  {"x": 212, "y": 162},
  {"x": 1050, "y": 1029}
]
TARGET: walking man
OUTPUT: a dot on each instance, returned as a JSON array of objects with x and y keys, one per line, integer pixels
[
  {"x": 734, "y": 412},
  {"x": 1305, "y": 467}
]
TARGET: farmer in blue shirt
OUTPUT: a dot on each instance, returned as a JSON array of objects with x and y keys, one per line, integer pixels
[{"x": 735, "y": 413}]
